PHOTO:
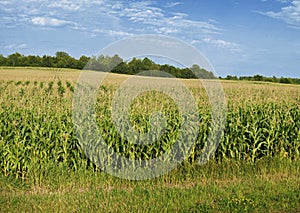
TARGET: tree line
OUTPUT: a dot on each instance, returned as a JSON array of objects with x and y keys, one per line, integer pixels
[
  {"x": 113, "y": 64},
  {"x": 116, "y": 64},
  {"x": 283, "y": 80},
  {"x": 60, "y": 60}
]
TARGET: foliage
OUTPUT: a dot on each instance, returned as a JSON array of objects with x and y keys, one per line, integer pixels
[
  {"x": 60, "y": 60},
  {"x": 273, "y": 79},
  {"x": 114, "y": 64}
]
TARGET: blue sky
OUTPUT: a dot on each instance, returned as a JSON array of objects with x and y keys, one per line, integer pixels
[{"x": 244, "y": 37}]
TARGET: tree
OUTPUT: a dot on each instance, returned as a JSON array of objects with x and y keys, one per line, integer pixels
[
  {"x": 64, "y": 60},
  {"x": 48, "y": 61},
  {"x": 61, "y": 54},
  {"x": 2, "y": 60},
  {"x": 82, "y": 62},
  {"x": 147, "y": 64},
  {"x": 258, "y": 78},
  {"x": 121, "y": 68},
  {"x": 31, "y": 60},
  {"x": 187, "y": 73},
  {"x": 114, "y": 62},
  {"x": 135, "y": 66},
  {"x": 13, "y": 59},
  {"x": 230, "y": 77},
  {"x": 201, "y": 73},
  {"x": 285, "y": 80}
]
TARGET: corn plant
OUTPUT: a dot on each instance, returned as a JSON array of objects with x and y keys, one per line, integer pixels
[{"x": 36, "y": 127}]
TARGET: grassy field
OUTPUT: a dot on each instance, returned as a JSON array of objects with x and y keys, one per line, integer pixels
[{"x": 42, "y": 167}]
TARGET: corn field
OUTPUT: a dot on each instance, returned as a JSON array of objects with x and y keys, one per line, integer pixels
[{"x": 36, "y": 128}]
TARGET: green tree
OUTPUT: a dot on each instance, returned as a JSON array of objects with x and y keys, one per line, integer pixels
[
  {"x": 31, "y": 60},
  {"x": 83, "y": 60},
  {"x": 230, "y": 77},
  {"x": 258, "y": 78},
  {"x": 61, "y": 54},
  {"x": 114, "y": 62},
  {"x": 135, "y": 66},
  {"x": 14, "y": 59},
  {"x": 286, "y": 80},
  {"x": 201, "y": 73},
  {"x": 64, "y": 60},
  {"x": 48, "y": 61},
  {"x": 2, "y": 60},
  {"x": 121, "y": 68}
]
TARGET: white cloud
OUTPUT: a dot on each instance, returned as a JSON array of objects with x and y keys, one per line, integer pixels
[
  {"x": 115, "y": 18},
  {"x": 195, "y": 41},
  {"x": 5, "y": 2},
  {"x": 173, "y": 4},
  {"x": 135, "y": 16},
  {"x": 138, "y": 12},
  {"x": 180, "y": 15},
  {"x": 65, "y": 5},
  {"x": 73, "y": 5},
  {"x": 51, "y": 22},
  {"x": 289, "y": 14},
  {"x": 15, "y": 46},
  {"x": 283, "y": 1},
  {"x": 117, "y": 33},
  {"x": 165, "y": 30},
  {"x": 222, "y": 44},
  {"x": 157, "y": 20}
]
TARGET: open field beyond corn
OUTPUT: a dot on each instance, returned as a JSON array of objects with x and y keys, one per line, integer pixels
[{"x": 43, "y": 168}]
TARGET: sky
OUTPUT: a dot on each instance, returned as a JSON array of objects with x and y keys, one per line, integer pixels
[{"x": 245, "y": 37}]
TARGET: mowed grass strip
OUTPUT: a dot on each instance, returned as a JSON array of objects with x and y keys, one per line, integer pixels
[{"x": 270, "y": 186}]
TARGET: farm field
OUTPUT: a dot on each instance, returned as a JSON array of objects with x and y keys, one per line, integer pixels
[{"x": 43, "y": 168}]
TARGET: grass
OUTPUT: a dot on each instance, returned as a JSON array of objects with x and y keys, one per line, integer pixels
[
  {"x": 272, "y": 185},
  {"x": 41, "y": 169}
]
